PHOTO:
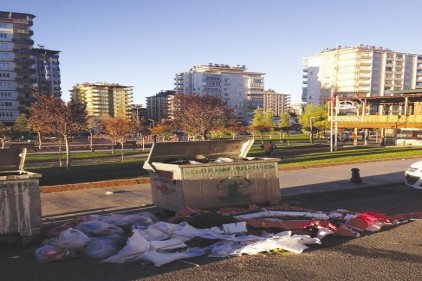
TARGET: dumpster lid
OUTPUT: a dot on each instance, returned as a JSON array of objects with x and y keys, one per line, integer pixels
[
  {"x": 164, "y": 152},
  {"x": 12, "y": 160}
]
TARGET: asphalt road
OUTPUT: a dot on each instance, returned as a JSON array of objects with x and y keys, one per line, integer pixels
[{"x": 395, "y": 253}]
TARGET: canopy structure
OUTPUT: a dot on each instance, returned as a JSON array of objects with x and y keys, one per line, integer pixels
[{"x": 400, "y": 110}]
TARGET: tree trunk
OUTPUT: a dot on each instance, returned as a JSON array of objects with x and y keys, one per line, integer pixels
[
  {"x": 39, "y": 140},
  {"x": 121, "y": 150},
  {"x": 66, "y": 141},
  {"x": 91, "y": 146},
  {"x": 60, "y": 154}
]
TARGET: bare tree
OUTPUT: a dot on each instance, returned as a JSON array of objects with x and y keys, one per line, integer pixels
[
  {"x": 234, "y": 128},
  {"x": 198, "y": 115},
  {"x": 163, "y": 131},
  {"x": 51, "y": 115},
  {"x": 117, "y": 129}
]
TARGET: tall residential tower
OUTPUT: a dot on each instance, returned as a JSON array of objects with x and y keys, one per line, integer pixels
[
  {"x": 24, "y": 70},
  {"x": 16, "y": 65},
  {"x": 104, "y": 98},
  {"x": 236, "y": 86},
  {"x": 363, "y": 71},
  {"x": 47, "y": 69}
]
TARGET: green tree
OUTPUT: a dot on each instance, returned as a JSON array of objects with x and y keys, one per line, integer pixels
[
  {"x": 262, "y": 122},
  {"x": 284, "y": 124},
  {"x": 21, "y": 126},
  {"x": 5, "y": 134},
  {"x": 313, "y": 119}
]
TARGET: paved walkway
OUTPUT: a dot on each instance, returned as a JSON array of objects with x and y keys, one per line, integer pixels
[{"x": 58, "y": 206}]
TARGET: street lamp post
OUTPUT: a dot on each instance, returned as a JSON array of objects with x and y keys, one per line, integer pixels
[
  {"x": 312, "y": 132},
  {"x": 152, "y": 122}
]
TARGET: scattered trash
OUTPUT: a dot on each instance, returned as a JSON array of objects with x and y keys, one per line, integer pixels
[
  {"x": 143, "y": 237},
  {"x": 109, "y": 193},
  {"x": 49, "y": 253}
]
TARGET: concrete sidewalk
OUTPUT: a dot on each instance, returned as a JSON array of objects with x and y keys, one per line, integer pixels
[{"x": 59, "y": 206}]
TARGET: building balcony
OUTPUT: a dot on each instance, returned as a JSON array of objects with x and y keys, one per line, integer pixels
[
  {"x": 24, "y": 41},
  {"x": 24, "y": 60},
  {"x": 364, "y": 70},
  {"x": 364, "y": 63},
  {"x": 24, "y": 31}
]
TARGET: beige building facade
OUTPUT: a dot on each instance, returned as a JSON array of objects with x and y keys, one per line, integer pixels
[
  {"x": 104, "y": 98},
  {"x": 275, "y": 102},
  {"x": 359, "y": 71},
  {"x": 239, "y": 88}
]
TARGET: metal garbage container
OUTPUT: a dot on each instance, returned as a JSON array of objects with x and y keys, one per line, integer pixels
[
  {"x": 210, "y": 174},
  {"x": 20, "y": 204}
]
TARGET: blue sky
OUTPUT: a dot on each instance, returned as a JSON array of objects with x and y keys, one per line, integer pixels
[{"x": 144, "y": 43}]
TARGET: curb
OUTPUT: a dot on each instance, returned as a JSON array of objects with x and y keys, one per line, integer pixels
[
  {"x": 386, "y": 188},
  {"x": 143, "y": 180},
  {"x": 88, "y": 185}
]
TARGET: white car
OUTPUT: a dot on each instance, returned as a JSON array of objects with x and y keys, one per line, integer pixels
[{"x": 414, "y": 175}]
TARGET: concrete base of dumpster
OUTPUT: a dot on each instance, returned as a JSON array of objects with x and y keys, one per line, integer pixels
[
  {"x": 20, "y": 203},
  {"x": 210, "y": 186}
]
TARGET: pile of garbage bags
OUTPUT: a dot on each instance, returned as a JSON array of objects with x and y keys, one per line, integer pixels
[{"x": 117, "y": 238}]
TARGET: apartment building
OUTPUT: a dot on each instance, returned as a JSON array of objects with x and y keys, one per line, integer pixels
[
  {"x": 104, "y": 98},
  {"x": 359, "y": 71},
  {"x": 16, "y": 64},
  {"x": 47, "y": 71},
  {"x": 277, "y": 103},
  {"x": 23, "y": 68},
  {"x": 238, "y": 88},
  {"x": 160, "y": 106}
]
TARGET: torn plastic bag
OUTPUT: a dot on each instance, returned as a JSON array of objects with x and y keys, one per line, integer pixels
[
  {"x": 104, "y": 246},
  {"x": 98, "y": 228},
  {"x": 135, "y": 246},
  {"x": 141, "y": 220},
  {"x": 49, "y": 253},
  {"x": 69, "y": 239}
]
